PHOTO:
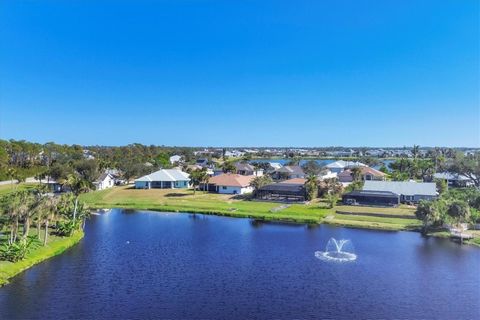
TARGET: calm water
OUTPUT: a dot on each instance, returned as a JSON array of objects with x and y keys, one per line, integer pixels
[
  {"x": 321, "y": 162},
  {"x": 153, "y": 265}
]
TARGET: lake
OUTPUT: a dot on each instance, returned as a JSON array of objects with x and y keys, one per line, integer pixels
[
  {"x": 322, "y": 162},
  {"x": 140, "y": 265}
]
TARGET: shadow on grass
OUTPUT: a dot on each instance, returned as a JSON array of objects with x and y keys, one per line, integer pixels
[{"x": 174, "y": 194}]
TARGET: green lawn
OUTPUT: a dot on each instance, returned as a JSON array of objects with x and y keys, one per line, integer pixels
[
  {"x": 7, "y": 188},
  {"x": 55, "y": 246},
  {"x": 183, "y": 200},
  {"x": 401, "y": 210}
]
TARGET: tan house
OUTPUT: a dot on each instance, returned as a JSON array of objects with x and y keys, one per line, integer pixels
[{"x": 367, "y": 174}]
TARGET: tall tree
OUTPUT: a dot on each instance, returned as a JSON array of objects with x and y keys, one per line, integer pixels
[{"x": 77, "y": 185}]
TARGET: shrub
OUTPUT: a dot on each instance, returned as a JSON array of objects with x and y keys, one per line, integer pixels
[
  {"x": 17, "y": 251},
  {"x": 66, "y": 228}
]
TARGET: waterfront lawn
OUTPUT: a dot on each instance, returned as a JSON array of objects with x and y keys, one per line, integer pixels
[
  {"x": 183, "y": 200},
  {"x": 55, "y": 246},
  {"x": 402, "y": 210}
]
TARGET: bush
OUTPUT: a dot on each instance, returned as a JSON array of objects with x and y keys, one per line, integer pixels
[
  {"x": 17, "y": 251},
  {"x": 66, "y": 228}
]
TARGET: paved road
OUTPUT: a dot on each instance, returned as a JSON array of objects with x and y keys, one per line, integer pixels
[{"x": 28, "y": 180}]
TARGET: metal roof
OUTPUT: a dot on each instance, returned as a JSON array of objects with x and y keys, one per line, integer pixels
[
  {"x": 166, "y": 175},
  {"x": 402, "y": 187},
  {"x": 344, "y": 164},
  {"x": 450, "y": 176}
]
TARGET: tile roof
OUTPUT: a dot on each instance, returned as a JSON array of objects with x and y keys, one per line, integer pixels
[{"x": 231, "y": 180}]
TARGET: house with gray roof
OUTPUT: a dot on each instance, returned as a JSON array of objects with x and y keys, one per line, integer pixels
[
  {"x": 289, "y": 172},
  {"x": 454, "y": 179},
  {"x": 246, "y": 169},
  {"x": 408, "y": 191},
  {"x": 164, "y": 179}
]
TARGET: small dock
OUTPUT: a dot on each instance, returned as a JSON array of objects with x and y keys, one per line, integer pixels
[{"x": 461, "y": 235}]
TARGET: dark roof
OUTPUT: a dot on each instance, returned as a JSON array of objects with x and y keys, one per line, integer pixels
[
  {"x": 381, "y": 194},
  {"x": 291, "y": 169},
  {"x": 285, "y": 187},
  {"x": 102, "y": 177},
  {"x": 244, "y": 166}
]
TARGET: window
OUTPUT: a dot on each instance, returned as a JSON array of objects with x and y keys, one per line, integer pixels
[{"x": 224, "y": 188}]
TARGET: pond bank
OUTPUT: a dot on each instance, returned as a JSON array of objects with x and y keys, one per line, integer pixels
[{"x": 11, "y": 269}]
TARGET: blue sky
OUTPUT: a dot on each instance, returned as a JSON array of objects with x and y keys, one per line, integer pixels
[{"x": 241, "y": 73}]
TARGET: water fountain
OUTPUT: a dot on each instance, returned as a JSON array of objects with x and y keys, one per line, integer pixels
[{"x": 337, "y": 251}]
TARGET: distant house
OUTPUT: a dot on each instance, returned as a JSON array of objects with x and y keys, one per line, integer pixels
[
  {"x": 246, "y": 169},
  {"x": 164, "y": 179},
  {"x": 341, "y": 165},
  {"x": 105, "y": 181},
  {"x": 234, "y": 154},
  {"x": 289, "y": 172},
  {"x": 453, "y": 179},
  {"x": 327, "y": 174},
  {"x": 194, "y": 167},
  {"x": 274, "y": 166},
  {"x": 175, "y": 159},
  {"x": 367, "y": 174},
  {"x": 229, "y": 183},
  {"x": 371, "y": 198},
  {"x": 203, "y": 162},
  {"x": 408, "y": 191}
]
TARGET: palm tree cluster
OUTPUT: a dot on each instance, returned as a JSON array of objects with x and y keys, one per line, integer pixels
[
  {"x": 453, "y": 207},
  {"x": 21, "y": 209}
]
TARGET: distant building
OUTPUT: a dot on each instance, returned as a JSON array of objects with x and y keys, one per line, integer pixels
[
  {"x": 164, "y": 179},
  {"x": 229, "y": 183},
  {"x": 175, "y": 159},
  {"x": 453, "y": 179},
  {"x": 292, "y": 190},
  {"x": 367, "y": 174},
  {"x": 289, "y": 172},
  {"x": 105, "y": 181},
  {"x": 203, "y": 162},
  {"x": 341, "y": 165},
  {"x": 246, "y": 169}
]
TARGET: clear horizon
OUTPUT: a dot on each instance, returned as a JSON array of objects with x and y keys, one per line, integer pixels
[{"x": 203, "y": 73}]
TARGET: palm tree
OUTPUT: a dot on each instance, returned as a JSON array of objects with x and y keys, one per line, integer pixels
[
  {"x": 11, "y": 173},
  {"x": 415, "y": 151},
  {"x": 356, "y": 173},
  {"x": 77, "y": 185},
  {"x": 311, "y": 186},
  {"x": 49, "y": 208}
]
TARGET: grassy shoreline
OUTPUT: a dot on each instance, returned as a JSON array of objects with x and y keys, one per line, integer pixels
[
  {"x": 42, "y": 253},
  {"x": 226, "y": 205}
]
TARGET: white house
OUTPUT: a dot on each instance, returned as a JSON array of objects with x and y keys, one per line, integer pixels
[
  {"x": 164, "y": 179},
  {"x": 340, "y": 165},
  {"x": 105, "y": 181},
  {"x": 229, "y": 183},
  {"x": 175, "y": 159}
]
